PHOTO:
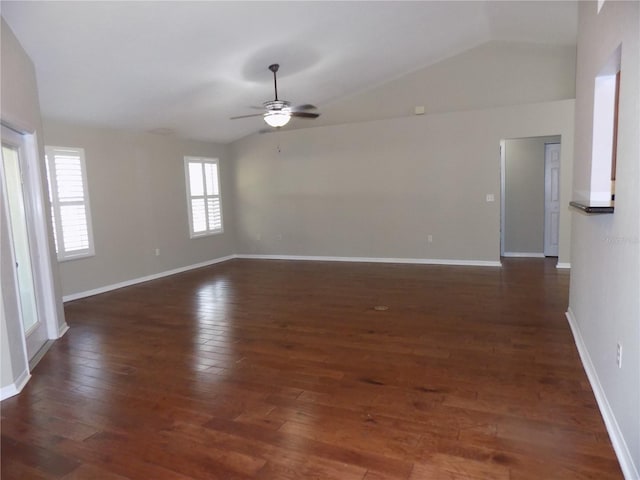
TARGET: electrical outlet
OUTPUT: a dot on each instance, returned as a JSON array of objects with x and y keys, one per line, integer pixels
[
  {"x": 490, "y": 197},
  {"x": 429, "y": 238},
  {"x": 619, "y": 355},
  {"x": 157, "y": 252}
]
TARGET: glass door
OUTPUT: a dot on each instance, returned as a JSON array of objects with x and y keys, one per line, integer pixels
[{"x": 34, "y": 328}]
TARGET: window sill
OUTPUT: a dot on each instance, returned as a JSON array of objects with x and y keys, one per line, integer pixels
[
  {"x": 76, "y": 257},
  {"x": 193, "y": 236}
]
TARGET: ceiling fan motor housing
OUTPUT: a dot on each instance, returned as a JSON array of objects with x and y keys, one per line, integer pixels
[{"x": 277, "y": 105}]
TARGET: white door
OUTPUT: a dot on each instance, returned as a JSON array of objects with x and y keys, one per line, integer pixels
[
  {"x": 551, "y": 199},
  {"x": 20, "y": 247}
]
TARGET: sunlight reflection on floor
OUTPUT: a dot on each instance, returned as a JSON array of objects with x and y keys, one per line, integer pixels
[{"x": 213, "y": 343}]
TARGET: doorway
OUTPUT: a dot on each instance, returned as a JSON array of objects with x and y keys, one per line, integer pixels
[
  {"x": 530, "y": 184},
  {"x": 22, "y": 248}
]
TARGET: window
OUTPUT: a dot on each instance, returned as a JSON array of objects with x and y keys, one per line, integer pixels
[
  {"x": 70, "y": 212},
  {"x": 203, "y": 196}
]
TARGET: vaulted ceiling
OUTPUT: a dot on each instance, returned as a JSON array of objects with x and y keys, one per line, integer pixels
[{"x": 184, "y": 68}]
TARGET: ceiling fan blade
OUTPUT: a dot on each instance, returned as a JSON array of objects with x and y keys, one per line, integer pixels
[
  {"x": 247, "y": 116},
  {"x": 301, "y": 108},
  {"x": 305, "y": 114}
]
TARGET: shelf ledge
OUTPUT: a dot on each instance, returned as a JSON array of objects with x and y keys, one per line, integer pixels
[{"x": 593, "y": 207}]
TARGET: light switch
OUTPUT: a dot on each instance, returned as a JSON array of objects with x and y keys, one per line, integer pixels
[{"x": 491, "y": 197}]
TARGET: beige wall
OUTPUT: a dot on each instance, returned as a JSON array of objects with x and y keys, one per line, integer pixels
[
  {"x": 138, "y": 203},
  {"x": 605, "y": 276},
  {"x": 524, "y": 194},
  {"x": 491, "y": 75},
  {"x": 378, "y": 189},
  {"x": 21, "y": 111}
]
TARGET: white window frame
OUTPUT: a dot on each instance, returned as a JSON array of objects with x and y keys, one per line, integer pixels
[
  {"x": 62, "y": 253},
  {"x": 203, "y": 161}
]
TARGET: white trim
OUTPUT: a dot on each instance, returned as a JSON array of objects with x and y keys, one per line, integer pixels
[
  {"x": 15, "y": 387},
  {"x": 617, "y": 439},
  {"x": 523, "y": 254},
  {"x": 64, "y": 328},
  {"x": 62, "y": 253},
  {"x": 46, "y": 254},
  {"x": 563, "y": 265},
  {"x": 417, "y": 261},
  {"x": 127, "y": 283},
  {"x": 503, "y": 189},
  {"x": 205, "y": 196}
]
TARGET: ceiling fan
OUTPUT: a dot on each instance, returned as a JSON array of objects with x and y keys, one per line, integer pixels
[{"x": 279, "y": 112}]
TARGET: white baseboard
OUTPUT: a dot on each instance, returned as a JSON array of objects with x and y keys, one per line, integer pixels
[
  {"x": 417, "y": 261},
  {"x": 563, "y": 265},
  {"x": 629, "y": 470},
  {"x": 64, "y": 328},
  {"x": 523, "y": 254},
  {"x": 15, "y": 387},
  {"x": 39, "y": 355},
  {"x": 127, "y": 283}
]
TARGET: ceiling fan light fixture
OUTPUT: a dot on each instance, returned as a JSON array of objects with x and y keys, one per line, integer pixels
[
  {"x": 277, "y": 119},
  {"x": 277, "y": 113}
]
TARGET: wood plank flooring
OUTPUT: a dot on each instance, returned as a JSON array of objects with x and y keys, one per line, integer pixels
[{"x": 285, "y": 370}]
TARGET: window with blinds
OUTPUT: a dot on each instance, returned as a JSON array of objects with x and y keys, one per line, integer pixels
[
  {"x": 70, "y": 212},
  {"x": 203, "y": 196}
]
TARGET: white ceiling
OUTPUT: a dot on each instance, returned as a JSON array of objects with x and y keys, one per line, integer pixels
[{"x": 186, "y": 67}]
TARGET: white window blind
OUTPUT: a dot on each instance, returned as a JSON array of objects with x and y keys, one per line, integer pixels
[
  {"x": 203, "y": 196},
  {"x": 69, "y": 199}
]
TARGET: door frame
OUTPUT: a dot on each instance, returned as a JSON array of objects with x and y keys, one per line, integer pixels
[
  {"x": 503, "y": 188},
  {"x": 503, "y": 185},
  {"x": 38, "y": 232}
]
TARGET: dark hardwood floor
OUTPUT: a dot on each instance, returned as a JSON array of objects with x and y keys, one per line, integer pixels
[{"x": 285, "y": 370}]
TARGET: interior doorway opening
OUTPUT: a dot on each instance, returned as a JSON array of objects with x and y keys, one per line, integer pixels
[{"x": 530, "y": 196}]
